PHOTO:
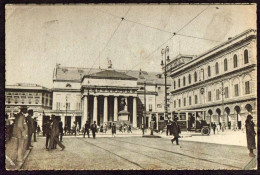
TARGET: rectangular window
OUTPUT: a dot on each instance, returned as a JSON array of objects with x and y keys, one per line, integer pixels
[
  {"x": 58, "y": 105},
  {"x": 9, "y": 99},
  {"x": 30, "y": 100},
  {"x": 217, "y": 94},
  {"x": 150, "y": 107},
  {"x": 236, "y": 90},
  {"x": 247, "y": 87},
  {"x": 179, "y": 102},
  {"x": 174, "y": 103},
  {"x": 184, "y": 102},
  {"x": 37, "y": 100},
  {"x": 226, "y": 92},
  {"x": 190, "y": 100},
  {"x": 23, "y": 99},
  {"x": 68, "y": 106},
  {"x": 196, "y": 99},
  {"x": 209, "y": 96}
]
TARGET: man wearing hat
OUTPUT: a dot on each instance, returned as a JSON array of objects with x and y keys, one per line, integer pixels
[
  {"x": 30, "y": 125},
  {"x": 250, "y": 135},
  {"x": 176, "y": 131},
  {"x": 20, "y": 131}
]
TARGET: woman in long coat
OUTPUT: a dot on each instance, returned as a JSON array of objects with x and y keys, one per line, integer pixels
[{"x": 250, "y": 135}]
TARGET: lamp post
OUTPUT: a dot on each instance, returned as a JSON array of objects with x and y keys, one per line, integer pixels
[
  {"x": 165, "y": 53},
  {"x": 222, "y": 91}
]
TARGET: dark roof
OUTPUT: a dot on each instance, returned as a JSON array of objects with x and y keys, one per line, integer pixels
[
  {"x": 76, "y": 74},
  {"x": 111, "y": 74}
]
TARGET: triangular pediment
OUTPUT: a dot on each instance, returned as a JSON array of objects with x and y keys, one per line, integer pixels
[{"x": 111, "y": 74}]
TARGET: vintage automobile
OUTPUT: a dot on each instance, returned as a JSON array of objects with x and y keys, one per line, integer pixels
[{"x": 192, "y": 120}]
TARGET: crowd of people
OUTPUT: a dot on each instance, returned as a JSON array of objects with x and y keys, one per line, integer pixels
[{"x": 24, "y": 128}]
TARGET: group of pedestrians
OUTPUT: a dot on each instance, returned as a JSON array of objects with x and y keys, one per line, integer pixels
[
  {"x": 25, "y": 126},
  {"x": 88, "y": 127},
  {"x": 54, "y": 132}
]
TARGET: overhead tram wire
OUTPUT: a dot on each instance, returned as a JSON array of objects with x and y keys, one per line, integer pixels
[
  {"x": 174, "y": 34},
  {"x": 122, "y": 18},
  {"x": 162, "y": 30}
]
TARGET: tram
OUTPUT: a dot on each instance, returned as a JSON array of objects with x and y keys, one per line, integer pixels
[{"x": 193, "y": 121}]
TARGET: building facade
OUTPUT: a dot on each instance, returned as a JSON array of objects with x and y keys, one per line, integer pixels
[
  {"x": 221, "y": 82},
  {"x": 33, "y": 96},
  {"x": 81, "y": 94}
]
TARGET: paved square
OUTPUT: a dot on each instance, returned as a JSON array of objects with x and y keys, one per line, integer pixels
[{"x": 107, "y": 153}]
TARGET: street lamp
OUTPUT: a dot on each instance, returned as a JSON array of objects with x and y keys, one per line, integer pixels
[
  {"x": 165, "y": 52},
  {"x": 222, "y": 91}
]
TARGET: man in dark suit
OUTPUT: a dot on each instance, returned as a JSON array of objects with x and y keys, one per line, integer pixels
[
  {"x": 47, "y": 131},
  {"x": 61, "y": 129},
  {"x": 35, "y": 124},
  {"x": 87, "y": 126},
  {"x": 55, "y": 134},
  {"x": 94, "y": 129},
  {"x": 176, "y": 131},
  {"x": 30, "y": 125}
]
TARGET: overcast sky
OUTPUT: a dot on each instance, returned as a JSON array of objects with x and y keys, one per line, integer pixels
[{"x": 39, "y": 36}]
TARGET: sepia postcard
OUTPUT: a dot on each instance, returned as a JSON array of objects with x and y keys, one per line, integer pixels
[{"x": 131, "y": 87}]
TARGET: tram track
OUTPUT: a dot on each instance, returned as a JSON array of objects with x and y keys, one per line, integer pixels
[
  {"x": 136, "y": 164},
  {"x": 151, "y": 157},
  {"x": 181, "y": 154}
]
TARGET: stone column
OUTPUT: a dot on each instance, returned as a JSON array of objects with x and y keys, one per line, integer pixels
[
  {"x": 95, "y": 107},
  {"x": 134, "y": 113},
  {"x": 115, "y": 108},
  {"x": 105, "y": 109},
  {"x": 85, "y": 110}
]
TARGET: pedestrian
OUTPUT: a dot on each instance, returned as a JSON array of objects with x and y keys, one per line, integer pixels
[
  {"x": 38, "y": 130},
  {"x": 105, "y": 128},
  {"x": 176, "y": 131},
  {"x": 77, "y": 128},
  {"x": 35, "y": 124},
  {"x": 101, "y": 128},
  {"x": 94, "y": 129},
  {"x": 20, "y": 131},
  {"x": 47, "y": 130},
  {"x": 61, "y": 129},
  {"x": 74, "y": 128},
  {"x": 55, "y": 134},
  {"x": 143, "y": 129},
  {"x": 113, "y": 130},
  {"x": 250, "y": 135},
  {"x": 214, "y": 127},
  {"x": 130, "y": 128},
  {"x": 87, "y": 126},
  {"x": 30, "y": 125},
  {"x": 65, "y": 129}
]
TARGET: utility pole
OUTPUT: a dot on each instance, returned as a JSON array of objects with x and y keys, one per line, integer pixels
[{"x": 144, "y": 118}]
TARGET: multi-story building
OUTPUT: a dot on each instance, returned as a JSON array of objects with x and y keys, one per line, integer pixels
[
  {"x": 95, "y": 94},
  {"x": 221, "y": 82},
  {"x": 33, "y": 96}
]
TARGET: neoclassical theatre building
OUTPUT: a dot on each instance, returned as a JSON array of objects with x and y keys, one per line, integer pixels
[
  {"x": 220, "y": 82},
  {"x": 81, "y": 94}
]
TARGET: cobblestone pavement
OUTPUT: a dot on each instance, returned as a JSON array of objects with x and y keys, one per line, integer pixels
[{"x": 135, "y": 153}]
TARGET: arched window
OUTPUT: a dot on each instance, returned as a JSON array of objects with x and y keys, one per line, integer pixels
[
  {"x": 225, "y": 65},
  {"x": 195, "y": 76},
  {"x": 189, "y": 79},
  {"x": 246, "y": 57},
  {"x": 235, "y": 61},
  {"x": 184, "y": 81},
  {"x": 216, "y": 68},
  {"x": 179, "y": 83},
  {"x": 209, "y": 72},
  {"x": 68, "y": 85}
]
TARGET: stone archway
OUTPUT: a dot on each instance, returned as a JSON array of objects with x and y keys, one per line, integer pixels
[
  {"x": 218, "y": 111},
  {"x": 237, "y": 111},
  {"x": 227, "y": 110}
]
